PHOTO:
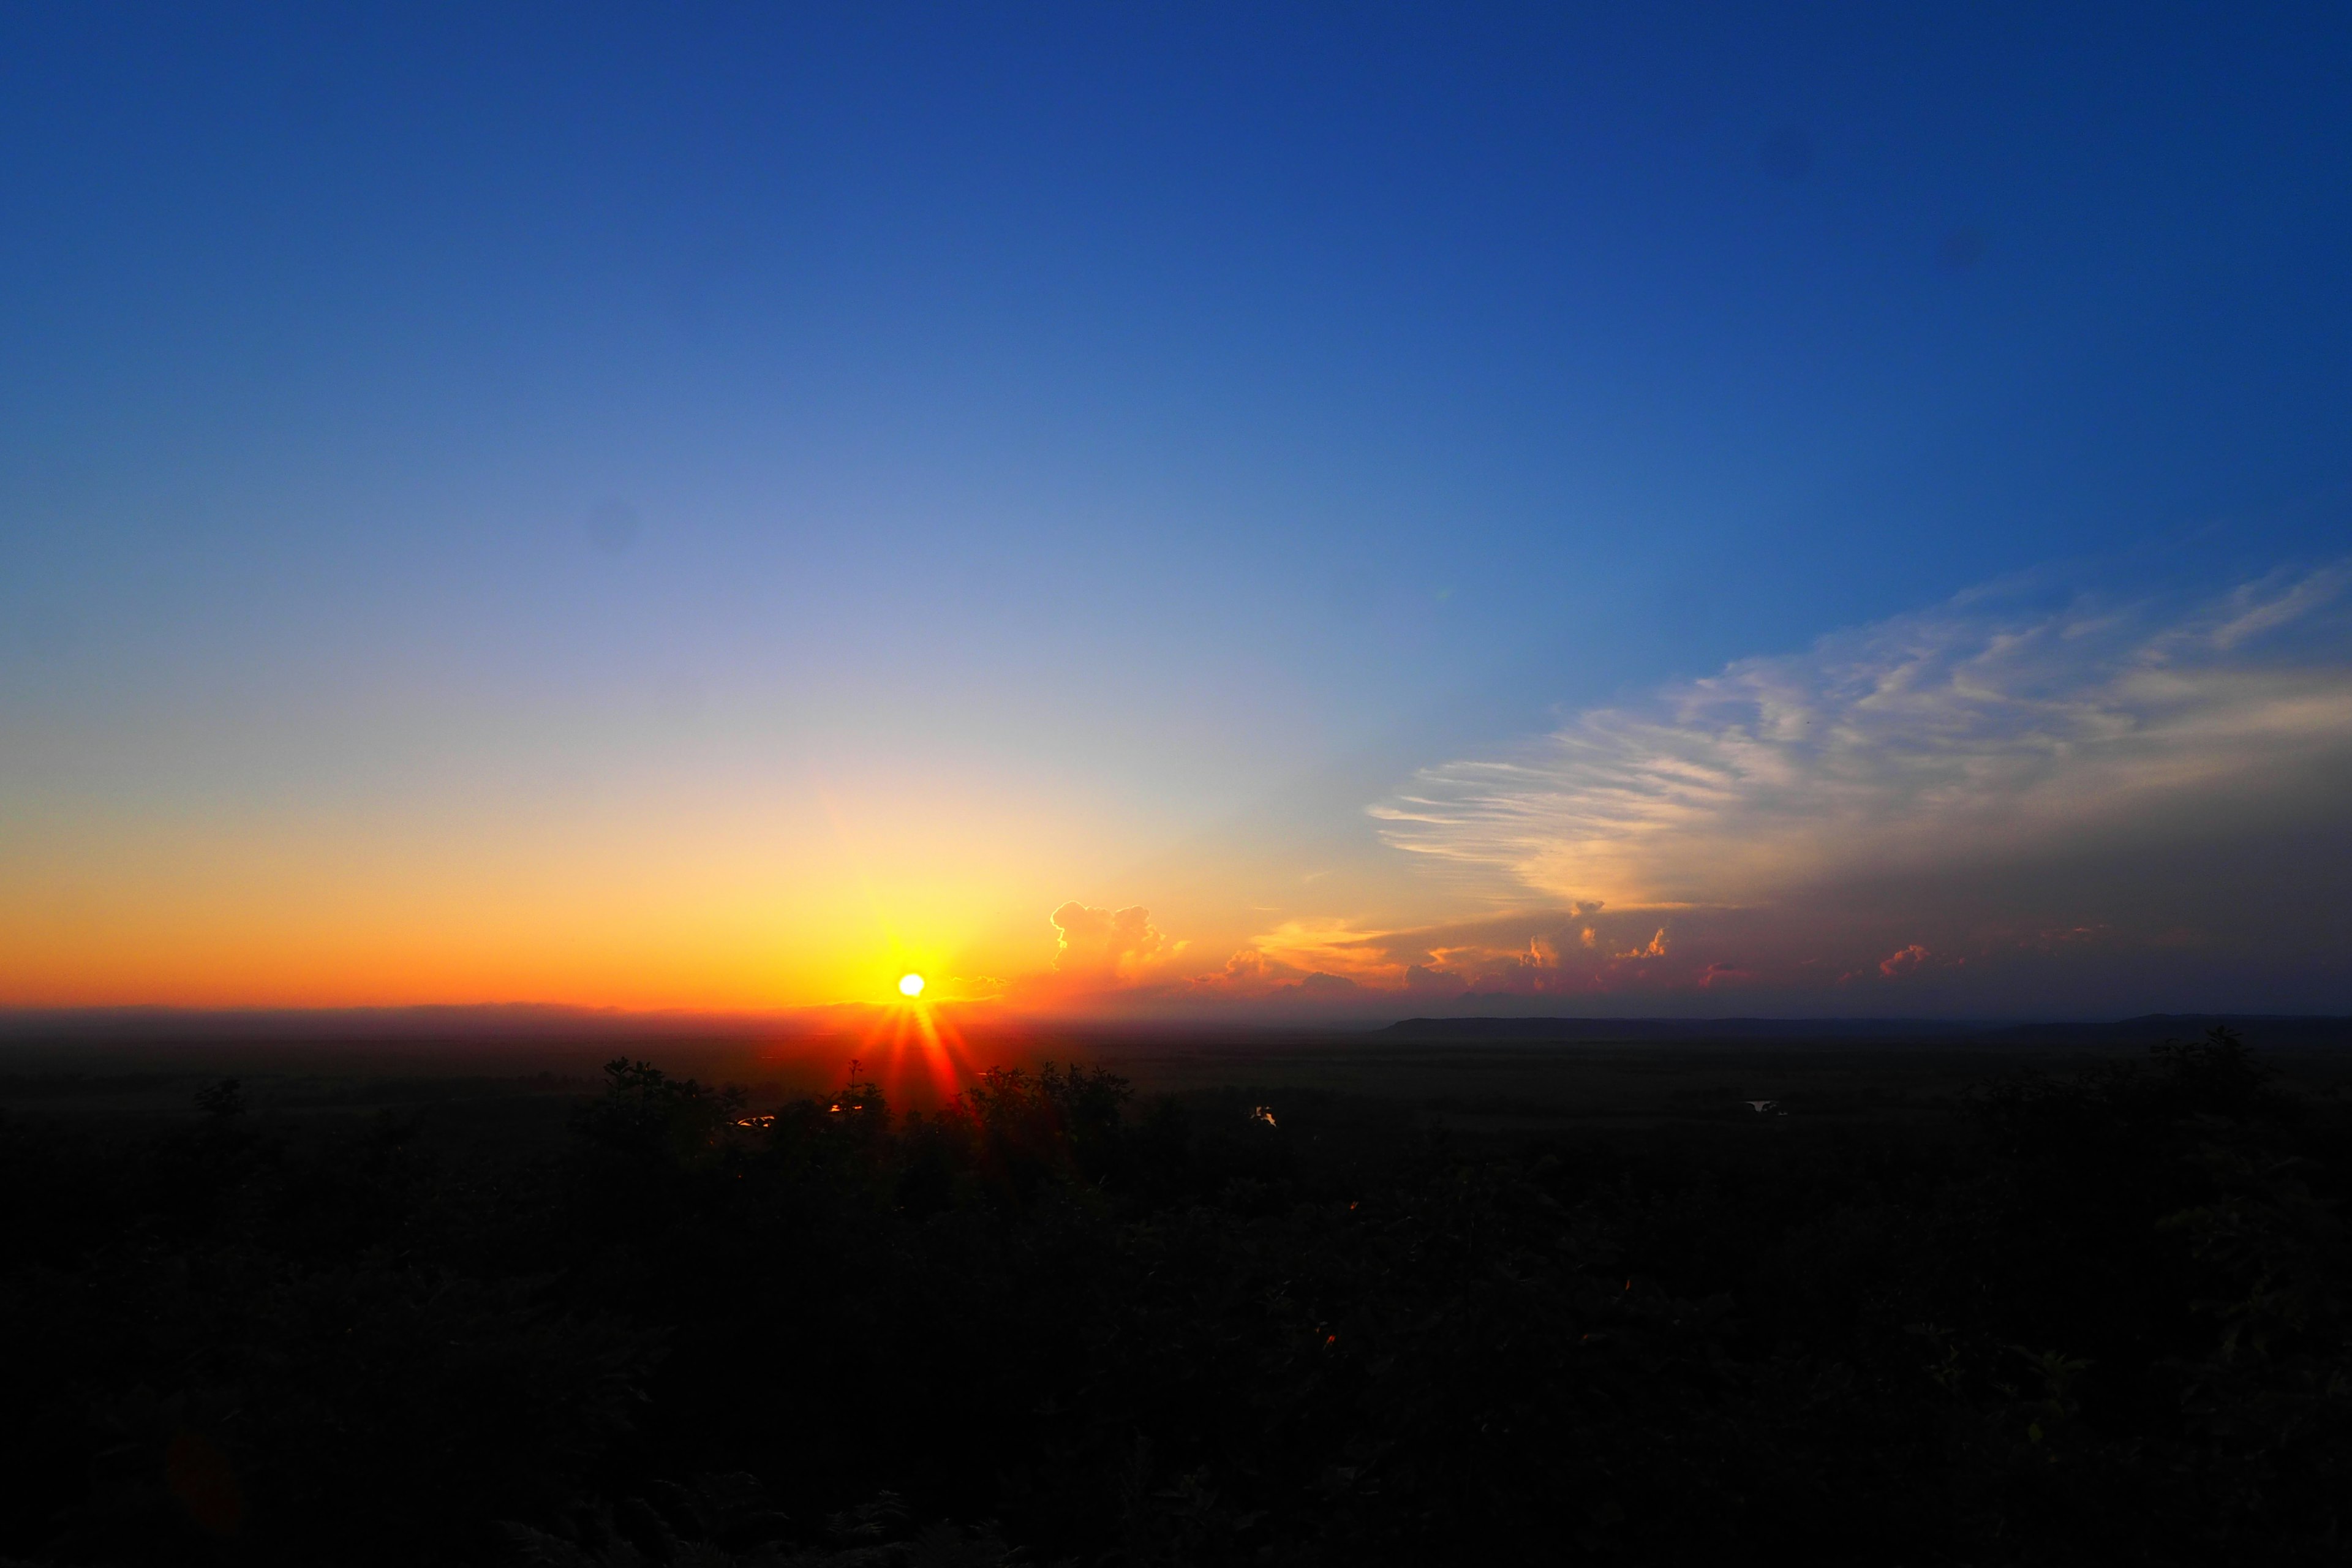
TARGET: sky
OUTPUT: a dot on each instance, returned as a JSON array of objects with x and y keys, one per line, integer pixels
[{"x": 1183, "y": 511}]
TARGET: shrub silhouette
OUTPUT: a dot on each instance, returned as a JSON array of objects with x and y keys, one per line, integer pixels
[{"x": 2103, "y": 1318}]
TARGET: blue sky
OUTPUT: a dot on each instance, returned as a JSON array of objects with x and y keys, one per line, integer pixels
[{"x": 724, "y": 490}]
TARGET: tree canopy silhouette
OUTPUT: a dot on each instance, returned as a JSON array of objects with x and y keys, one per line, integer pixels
[{"x": 2100, "y": 1316}]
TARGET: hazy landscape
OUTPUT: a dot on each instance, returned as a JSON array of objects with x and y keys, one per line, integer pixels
[{"x": 1454, "y": 1289}]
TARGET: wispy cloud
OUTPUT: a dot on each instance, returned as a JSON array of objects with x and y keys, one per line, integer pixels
[
  {"x": 1968, "y": 732},
  {"x": 1982, "y": 808}
]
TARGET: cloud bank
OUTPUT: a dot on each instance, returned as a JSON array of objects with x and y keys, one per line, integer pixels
[
  {"x": 1989, "y": 808},
  {"x": 1957, "y": 786}
]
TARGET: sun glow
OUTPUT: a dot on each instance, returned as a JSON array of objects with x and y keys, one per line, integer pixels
[{"x": 916, "y": 1051}]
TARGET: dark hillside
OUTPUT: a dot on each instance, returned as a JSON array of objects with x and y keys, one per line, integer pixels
[{"x": 2089, "y": 1314}]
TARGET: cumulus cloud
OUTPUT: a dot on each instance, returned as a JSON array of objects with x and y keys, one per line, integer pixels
[
  {"x": 1903, "y": 960},
  {"x": 1934, "y": 739},
  {"x": 1522, "y": 953},
  {"x": 1108, "y": 945},
  {"x": 1654, "y": 948},
  {"x": 1102, "y": 958}
]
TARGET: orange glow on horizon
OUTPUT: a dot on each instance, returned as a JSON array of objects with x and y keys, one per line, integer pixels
[
  {"x": 655, "y": 896},
  {"x": 916, "y": 1040}
]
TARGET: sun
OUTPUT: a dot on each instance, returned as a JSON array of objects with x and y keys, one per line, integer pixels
[{"x": 910, "y": 985}]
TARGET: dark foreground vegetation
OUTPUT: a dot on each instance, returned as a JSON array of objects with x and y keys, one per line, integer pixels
[{"x": 2098, "y": 1317}]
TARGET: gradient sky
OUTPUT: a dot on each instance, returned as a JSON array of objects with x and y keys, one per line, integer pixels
[{"x": 1251, "y": 512}]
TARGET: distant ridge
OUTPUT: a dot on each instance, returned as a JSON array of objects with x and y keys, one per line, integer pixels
[
  {"x": 2259, "y": 1030},
  {"x": 1501, "y": 1029}
]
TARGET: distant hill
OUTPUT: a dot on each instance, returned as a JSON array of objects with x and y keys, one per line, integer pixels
[
  {"x": 1534, "y": 1029},
  {"x": 2259, "y": 1030}
]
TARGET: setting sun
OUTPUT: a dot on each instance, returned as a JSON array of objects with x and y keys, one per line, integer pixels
[{"x": 910, "y": 985}]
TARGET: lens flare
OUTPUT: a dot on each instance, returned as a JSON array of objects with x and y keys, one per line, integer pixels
[{"x": 918, "y": 1055}]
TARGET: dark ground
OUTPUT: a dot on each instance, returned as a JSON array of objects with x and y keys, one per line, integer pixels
[
  {"x": 1468, "y": 1074},
  {"x": 1457, "y": 1292}
]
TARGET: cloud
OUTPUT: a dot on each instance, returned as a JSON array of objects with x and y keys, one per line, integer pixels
[
  {"x": 1327, "y": 985},
  {"x": 1654, "y": 948},
  {"x": 1521, "y": 953},
  {"x": 1102, "y": 958},
  {"x": 1330, "y": 947},
  {"x": 1256, "y": 973},
  {"x": 1927, "y": 741},
  {"x": 2091, "y": 806},
  {"x": 1106, "y": 945},
  {"x": 1903, "y": 960},
  {"x": 1987, "y": 807}
]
